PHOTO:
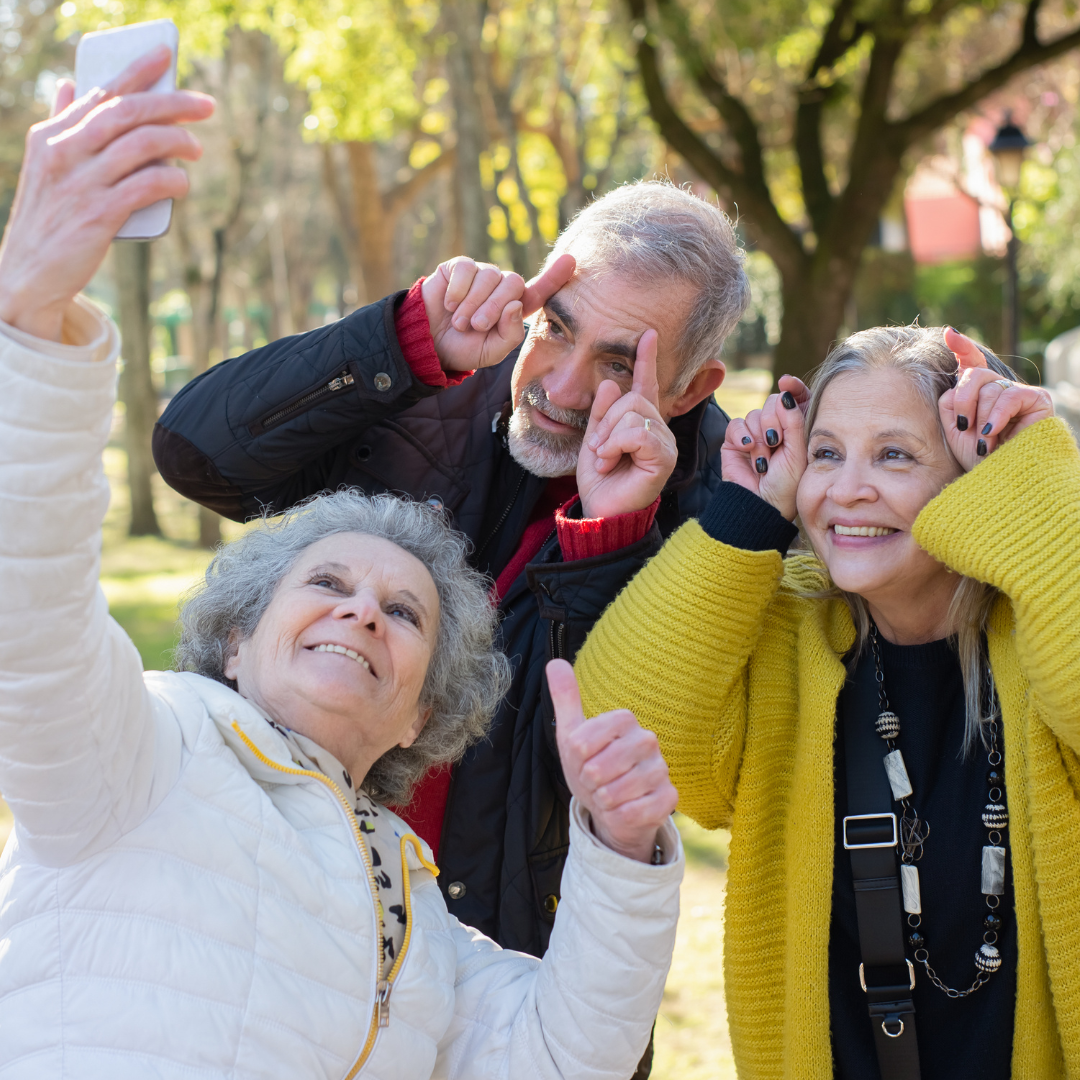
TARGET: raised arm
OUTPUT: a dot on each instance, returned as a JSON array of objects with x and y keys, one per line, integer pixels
[
  {"x": 265, "y": 429},
  {"x": 1011, "y": 521},
  {"x": 81, "y": 756},
  {"x": 587, "y": 1009},
  {"x": 675, "y": 646}
]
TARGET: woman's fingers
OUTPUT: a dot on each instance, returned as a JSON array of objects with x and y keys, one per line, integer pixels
[
  {"x": 1015, "y": 408},
  {"x": 967, "y": 352},
  {"x": 142, "y": 73},
  {"x": 141, "y": 147},
  {"x": 146, "y": 187},
  {"x": 793, "y": 392},
  {"x": 65, "y": 95}
]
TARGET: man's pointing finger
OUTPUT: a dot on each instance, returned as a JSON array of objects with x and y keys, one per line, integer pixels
[
  {"x": 645, "y": 382},
  {"x": 547, "y": 283}
]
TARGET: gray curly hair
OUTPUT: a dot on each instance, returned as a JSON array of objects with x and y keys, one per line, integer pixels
[
  {"x": 655, "y": 232},
  {"x": 466, "y": 677}
]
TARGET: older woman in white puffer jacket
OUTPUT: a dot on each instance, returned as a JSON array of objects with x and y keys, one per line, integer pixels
[{"x": 202, "y": 881}]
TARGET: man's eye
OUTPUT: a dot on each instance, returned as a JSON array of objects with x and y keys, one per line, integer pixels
[{"x": 620, "y": 369}]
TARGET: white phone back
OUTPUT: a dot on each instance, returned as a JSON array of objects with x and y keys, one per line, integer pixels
[{"x": 99, "y": 58}]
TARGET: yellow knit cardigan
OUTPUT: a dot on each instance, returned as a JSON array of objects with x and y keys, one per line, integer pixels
[{"x": 719, "y": 652}]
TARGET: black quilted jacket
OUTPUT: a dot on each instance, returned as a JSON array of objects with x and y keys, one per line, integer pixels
[{"x": 339, "y": 405}]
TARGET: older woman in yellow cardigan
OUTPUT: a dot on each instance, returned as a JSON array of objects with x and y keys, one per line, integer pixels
[{"x": 889, "y": 724}]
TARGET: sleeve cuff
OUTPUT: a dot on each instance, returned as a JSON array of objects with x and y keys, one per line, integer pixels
[
  {"x": 417, "y": 346},
  {"x": 582, "y": 538},
  {"x": 739, "y": 518}
]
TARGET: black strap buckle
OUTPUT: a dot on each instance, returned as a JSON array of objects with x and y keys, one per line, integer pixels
[{"x": 873, "y": 831}]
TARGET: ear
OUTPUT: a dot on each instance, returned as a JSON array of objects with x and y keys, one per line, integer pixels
[
  {"x": 232, "y": 659},
  {"x": 413, "y": 733},
  {"x": 704, "y": 384}
]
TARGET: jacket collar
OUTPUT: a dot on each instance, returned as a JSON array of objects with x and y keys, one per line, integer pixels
[{"x": 243, "y": 726}]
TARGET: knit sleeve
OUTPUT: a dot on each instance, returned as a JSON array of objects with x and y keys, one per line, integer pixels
[
  {"x": 674, "y": 648},
  {"x": 1013, "y": 522}
]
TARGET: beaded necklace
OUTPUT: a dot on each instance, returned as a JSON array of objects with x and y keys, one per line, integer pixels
[{"x": 914, "y": 832}]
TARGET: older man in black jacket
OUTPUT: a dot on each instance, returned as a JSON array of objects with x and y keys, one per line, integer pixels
[{"x": 566, "y": 462}]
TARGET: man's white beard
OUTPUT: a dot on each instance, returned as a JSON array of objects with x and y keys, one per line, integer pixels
[{"x": 542, "y": 452}]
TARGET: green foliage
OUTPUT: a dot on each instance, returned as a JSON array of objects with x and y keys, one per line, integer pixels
[{"x": 357, "y": 59}]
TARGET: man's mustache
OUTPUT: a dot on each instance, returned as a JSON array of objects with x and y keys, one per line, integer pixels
[{"x": 534, "y": 394}]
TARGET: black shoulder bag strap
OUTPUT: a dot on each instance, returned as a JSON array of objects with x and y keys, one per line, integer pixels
[{"x": 871, "y": 835}]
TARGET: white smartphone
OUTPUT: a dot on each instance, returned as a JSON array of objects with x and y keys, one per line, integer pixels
[{"x": 101, "y": 56}]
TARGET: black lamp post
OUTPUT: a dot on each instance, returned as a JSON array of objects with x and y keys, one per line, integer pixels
[{"x": 1008, "y": 149}]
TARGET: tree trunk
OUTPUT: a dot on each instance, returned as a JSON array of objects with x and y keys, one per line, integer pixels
[
  {"x": 136, "y": 386},
  {"x": 374, "y": 228},
  {"x": 463, "y": 20},
  {"x": 813, "y": 313}
]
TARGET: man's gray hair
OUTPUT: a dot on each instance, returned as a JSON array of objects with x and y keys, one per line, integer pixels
[
  {"x": 466, "y": 677},
  {"x": 653, "y": 231}
]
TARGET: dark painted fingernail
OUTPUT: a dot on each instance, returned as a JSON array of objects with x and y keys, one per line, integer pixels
[
  {"x": 986, "y": 430},
  {"x": 771, "y": 437},
  {"x": 787, "y": 400},
  {"x": 761, "y": 465},
  {"x": 961, "y": 423},
  {"x": 746, "y": 440},
  {"x": 980, "y": 448}
]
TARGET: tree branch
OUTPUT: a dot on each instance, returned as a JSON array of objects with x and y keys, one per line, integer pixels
[
  {"x": 1031, "y": 18},
  {"x": 733, "y": 112},
  {"x": 752, "y": 199},
  {"x": 808, "y": 116},
  {"x": 938, "y": 112},
  {"x": 402, "y": 196}
]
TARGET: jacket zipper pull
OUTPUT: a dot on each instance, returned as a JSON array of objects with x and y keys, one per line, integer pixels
[
  {"x": 340, "y": 383},
  {"x": 382, "y": 1003}
]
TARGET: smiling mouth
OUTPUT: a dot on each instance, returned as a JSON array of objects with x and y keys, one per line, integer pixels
[
  {"x": 341, "y": 650},
  {"x": 862, "y": 530}
]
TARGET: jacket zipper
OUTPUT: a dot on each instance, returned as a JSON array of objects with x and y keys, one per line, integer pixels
[
  {"x": 557, "y": 639},
  {"x": 339, "y": 382},
  {"x": 505, "y": 514},
  {"x": 380, "y": 1015}
]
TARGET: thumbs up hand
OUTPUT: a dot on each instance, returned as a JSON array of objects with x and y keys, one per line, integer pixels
[{"x": 613, "y": 767}]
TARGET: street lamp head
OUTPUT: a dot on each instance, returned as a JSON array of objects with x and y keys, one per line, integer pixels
[{"x": 1008, "y": 149}]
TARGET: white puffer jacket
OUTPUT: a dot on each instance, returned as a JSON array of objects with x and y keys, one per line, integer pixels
[{"x": 178, "y": 900}]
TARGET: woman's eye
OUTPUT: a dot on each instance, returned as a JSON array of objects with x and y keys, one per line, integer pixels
[
  {"x": 403, "y": 611},
  {"x": 894, "y": 455},
  {"x": 826, "y": 453},
  {"x": 327, "y": 583}
]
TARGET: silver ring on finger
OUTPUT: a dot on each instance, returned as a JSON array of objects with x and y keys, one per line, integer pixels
[
  {"x": 1005, "y": 384},
  {"x": 648, "y": 424}
]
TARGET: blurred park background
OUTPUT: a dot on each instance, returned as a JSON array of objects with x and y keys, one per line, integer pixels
[{"x": 886, "y": 160}]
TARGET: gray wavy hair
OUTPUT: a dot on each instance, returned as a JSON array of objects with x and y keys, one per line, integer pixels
[
  {"x": 466, "y": 677},
  {"x": 921, "y": 355},
  {"x": 653, "y": 231}
]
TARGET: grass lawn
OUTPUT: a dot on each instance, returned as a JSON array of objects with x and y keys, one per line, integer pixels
[{"x": 144, "y": 578}]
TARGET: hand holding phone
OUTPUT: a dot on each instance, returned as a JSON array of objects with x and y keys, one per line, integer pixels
[
  {"x": 85, "y": 171},
  {"x": 101, "y": 57}
]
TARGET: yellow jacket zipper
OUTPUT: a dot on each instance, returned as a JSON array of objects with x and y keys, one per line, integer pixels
[{"x": 380, "y": 1015}]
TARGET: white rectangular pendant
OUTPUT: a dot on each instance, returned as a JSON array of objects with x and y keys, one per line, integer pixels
[
  {"x": 896, "y": 771},
  {"x": 909, "y": 881},
  {"x": 993, "y": 870}
]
